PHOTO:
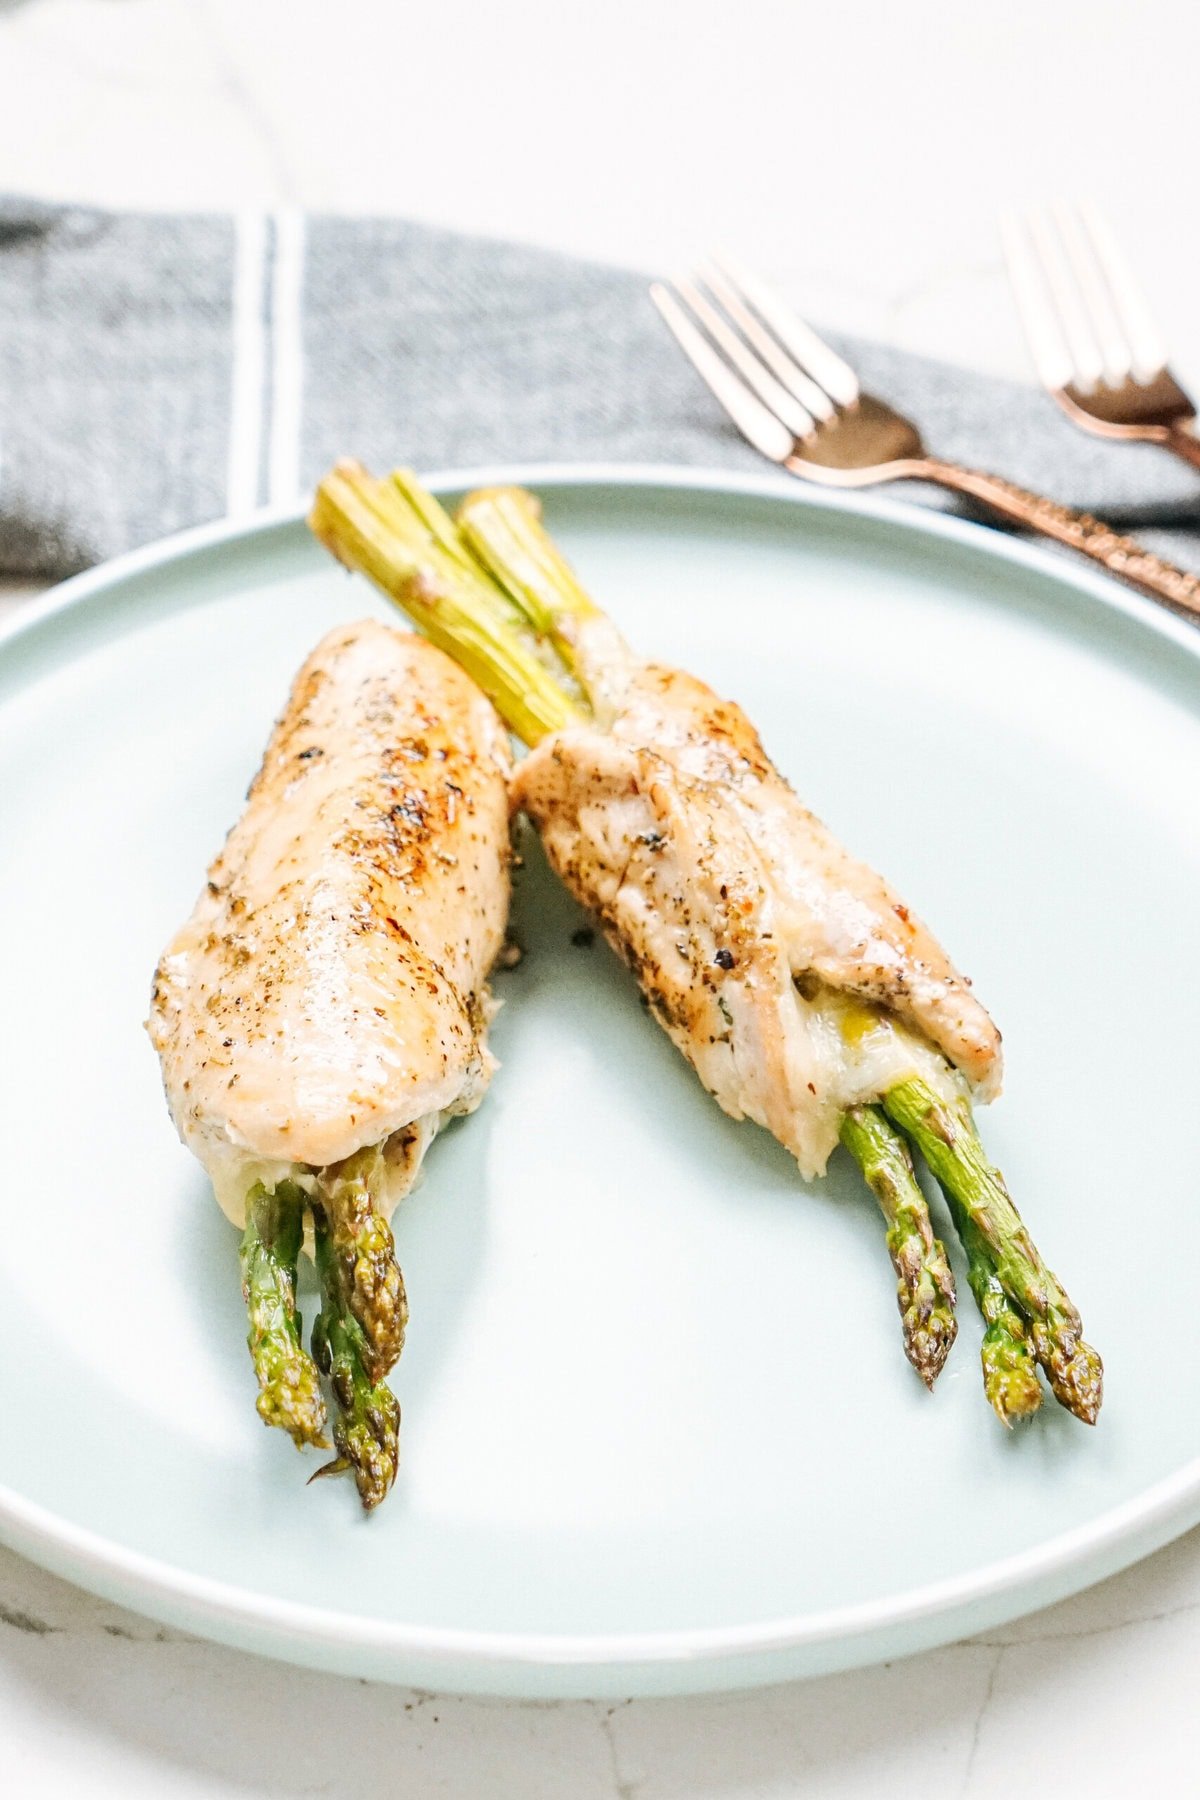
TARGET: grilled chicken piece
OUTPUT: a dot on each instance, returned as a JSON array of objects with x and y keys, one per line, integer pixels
[
  {"x": 325, "y": 1009},
  {"x": 773, "y": 959},
  {"x": 329, "y": 990}
]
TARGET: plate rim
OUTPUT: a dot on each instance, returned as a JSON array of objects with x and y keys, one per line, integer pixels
[{"x": 1008, "y": 1588}]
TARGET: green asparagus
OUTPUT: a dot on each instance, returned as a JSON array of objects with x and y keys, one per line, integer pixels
[
  {"x": 1010, "y": 1378},
  {"x": 947, "y": 1139},
  {"x": 363, "y": 1258},
  {"x": 367, "y": 1425},
  {"x": 924, "y": 1279},
  {"x": 289, "y": 1390},
  {"x": 374, "y": 527},
  {"x": 503, "y": 530}
]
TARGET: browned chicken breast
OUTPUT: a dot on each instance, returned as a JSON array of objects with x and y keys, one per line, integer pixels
[
  {"x": 754, "y": 933},
  {"x": 329, "y": 991},
  {"x": 325, "y": 1009}
]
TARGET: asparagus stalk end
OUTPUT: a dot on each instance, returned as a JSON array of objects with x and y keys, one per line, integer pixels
[{"x": 402, "y": 540}]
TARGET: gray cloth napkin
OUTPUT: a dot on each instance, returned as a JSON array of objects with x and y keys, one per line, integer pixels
[{"x": 159, "y": 371}]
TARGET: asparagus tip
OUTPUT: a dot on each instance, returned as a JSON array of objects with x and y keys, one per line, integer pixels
[
  {"x": 1013, "y": 1393},
  {"x": 371, "y": 1492},
  {"x": 366, "y": 1437},
  {"x": 925, "y": 1295},
  {"x": 928, "y": 1338},
  {"x": 1010, "y": 1378},
  {"x": 1077, "y": 1382},
  {"x": 295, "y": 1406},
  {"x": 367, "y": 1422}
]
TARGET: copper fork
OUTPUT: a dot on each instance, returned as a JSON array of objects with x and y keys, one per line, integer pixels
[
  {"x": 1094, "y": 342},
  {"x": 800, "y": 404}
]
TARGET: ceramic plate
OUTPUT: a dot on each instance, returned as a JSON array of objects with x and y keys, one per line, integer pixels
[{"x": 659, "y": 1433}]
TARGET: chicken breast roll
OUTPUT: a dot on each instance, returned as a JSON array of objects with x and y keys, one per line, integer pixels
[
  {"x": 763, "y": 946},
  {"x": 325, "y": 1009},
  {"x": 329, "y": 990}
]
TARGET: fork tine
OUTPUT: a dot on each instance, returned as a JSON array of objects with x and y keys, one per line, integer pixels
[
  {"x": 825, "y": 366},
  {"x": 1115, "y": 349},
  {"x": 774, "y": 396},
  {"x": 748, "y": 413},
  {"x": 1147, "y": 345},
  {"x": 1073, "y": 320},
  {"x": 814, "y": 398},
  {"x": 1035, "y": 309}
]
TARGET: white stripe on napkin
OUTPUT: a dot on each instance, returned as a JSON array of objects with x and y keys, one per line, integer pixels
[
  {"x": 249, "y": 364},
  {"x": 287, "y": 361}
]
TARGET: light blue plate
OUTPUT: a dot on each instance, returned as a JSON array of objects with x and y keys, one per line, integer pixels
[{"x": 659, "y": 1434}]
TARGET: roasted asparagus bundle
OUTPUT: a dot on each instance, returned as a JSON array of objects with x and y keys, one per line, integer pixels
[
  {"x": 803, "y": 991},
  {"x": 324, "y": 1010}
]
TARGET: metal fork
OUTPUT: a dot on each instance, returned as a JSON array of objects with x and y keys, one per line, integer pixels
[
  {"x": 800, "y": 404},
  {"x": 1095, "y": 345}
]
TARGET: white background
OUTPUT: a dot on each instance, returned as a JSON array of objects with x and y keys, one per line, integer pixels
[{"x": 862, "y": 152}]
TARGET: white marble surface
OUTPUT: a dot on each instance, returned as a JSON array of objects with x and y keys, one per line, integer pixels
[
  {"x": 861, "y": 150},
  {"x": 96, "y": 1701}
]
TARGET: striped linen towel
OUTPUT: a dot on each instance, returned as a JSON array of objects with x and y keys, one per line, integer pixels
[{"x": 159, "y": 371}]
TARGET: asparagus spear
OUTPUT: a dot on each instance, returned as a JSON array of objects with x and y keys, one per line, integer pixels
[
  {"x": 289, "y": 1390},
  {"x": 375, "y": 527},
  {"x": 366, "y": 1429},
  {"x": 1010, "y": 1379},
  {"x": 948, "y": 1141},
  {"x": 924, "y": 1280},
  {"x": 362, "y": 1253}
]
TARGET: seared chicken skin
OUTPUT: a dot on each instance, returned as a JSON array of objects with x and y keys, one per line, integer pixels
[
  {"x": 794, "y": 979},
  {"x": 324, "y": 1010}
]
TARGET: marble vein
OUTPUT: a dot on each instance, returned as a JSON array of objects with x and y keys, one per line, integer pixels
[
  {"x": 237, "y": 87},
  {"x": 623, "y": 1787},
  {"x": 977, "y": 1728},
  {"x": 18, "y": 1620},
  {"x": 1079, "y": 1633}
]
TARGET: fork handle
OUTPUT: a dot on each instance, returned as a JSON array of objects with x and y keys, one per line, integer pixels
[
  {"x": 1184, "y": 443},
  {"x": 1123, "y": 557}
]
